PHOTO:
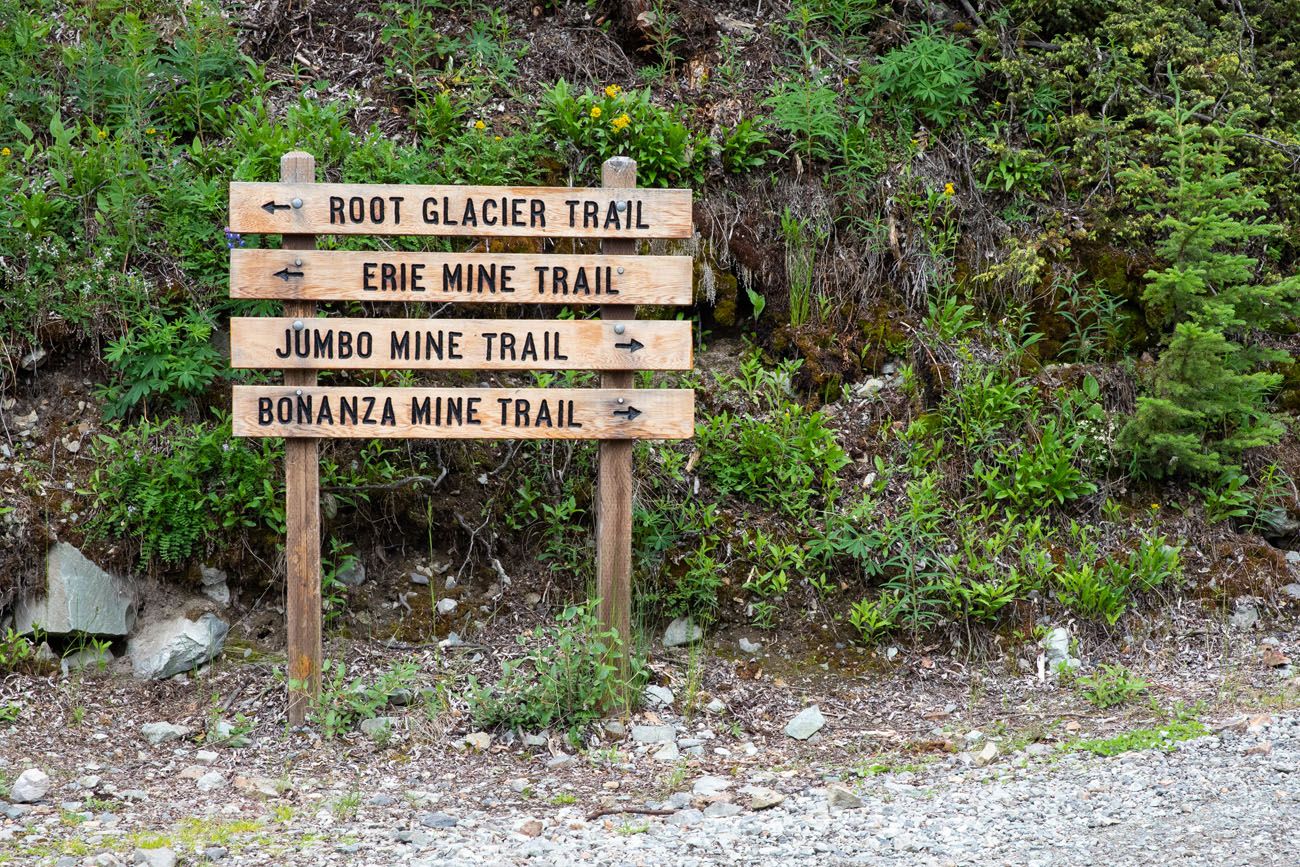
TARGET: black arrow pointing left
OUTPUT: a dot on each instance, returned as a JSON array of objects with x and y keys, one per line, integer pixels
[
  {"x": 284, "y": 274},
  {"x": 632, "y": 345},
  {"x": 631, "y": 412},
  {"x": 272, "y": 207}
]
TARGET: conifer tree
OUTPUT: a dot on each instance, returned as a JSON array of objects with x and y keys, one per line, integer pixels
[{"x": 1207, "y": 400}]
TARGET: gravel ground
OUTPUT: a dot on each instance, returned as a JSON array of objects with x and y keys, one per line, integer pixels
[
  {"x": 1206, "y": 802},
  {"x": 1229, "y": 798}
]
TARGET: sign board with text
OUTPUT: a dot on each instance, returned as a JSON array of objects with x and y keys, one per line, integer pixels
[{"x": 300, "y": 342}]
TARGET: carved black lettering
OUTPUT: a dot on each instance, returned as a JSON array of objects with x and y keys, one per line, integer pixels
[
  {"x": 365, "y": 344},
  {"x": 611, "y": 216},
  {"x": 472, "y": 409},
  {"x": 429, "y": 211},
  {"x": 345, "y": 344},
  {"x": 640, "y": 223},
  {"x": 488, "y": 337},
  {"x": 503, "y": 401},
  {"x": 537, "y": 214},
  {"x": 323, "y": 346},
  {"x": 399, "y": 346},
  {"x": 522, "y": 410},
  {"x": 451, "y": 278},
  {"x": 470, "y": 216},
  {"x": 453, "y": 344},
  {"x": 336, "y": 211},
  {"x": 357, "y": 209},
  {"x": 325, "y": 415},
  {"x": 284, "y": 410},
  {"x": 369, "y": 417},
  {"x": 377, "y": 209},
  {"x": 507, "y": 346},
  {"x": 348, "y": 410},
  {"x": 368, "y": 276},
  {"x": 572, "y": 423},
  {"x": 507, "y": 272},
  {"x": 288, "y": 345},
  {"x": 420, "y": 411},
  {"x": 543, "y": 415},
  {"x": 489, "y": 209},
  {"x": 573, "y": 210},
  {"x": 590, "y": 215},
  {"x": 387, "y": 416},
  {"x": 528, "y": 352},
  {"x": 580, "y": 284},
  {"x": 560, "y": 280},
  {"x": 397, "y": 209},
  {"x": 265, "y": 417},
  {"x": 516, "y": 212},
  {"x": 417, "y": 277}
]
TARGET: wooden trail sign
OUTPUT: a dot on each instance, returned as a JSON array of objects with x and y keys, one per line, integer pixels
[
  {"x": 488, "y": 278},
  {"x": 299, "y": 343},
  {"x": 463, "y": 413},
  {"x": 521, "y": 212},
  {"x": 458, "y": 344}
]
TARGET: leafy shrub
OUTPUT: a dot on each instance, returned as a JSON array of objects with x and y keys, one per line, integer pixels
[
  {"x": 1111, "y": 686},
  {"x": 808, "y": 111},
  {"x": 932, "y": 74},
  {"x": 200, "y": 69},
  {"x": 171, "y": 362},
  {"x": 873, "y": 618},
  {"x": 1026, "y": 475},
  {"x": 783, "y": 461},
  {"x": 173, "y": 488},
  {"x": 343, "y": 703},
  {"x": 568, "y": 678},
  {"x": 743, "y": 149},
  {"x": 620, "y": 122}
]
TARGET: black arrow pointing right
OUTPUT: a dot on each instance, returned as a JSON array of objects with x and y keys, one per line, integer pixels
[
  {"x": 631, "y": 412},
  {"x": 284, "y": 274},
  {"x": 632, "y": 345},
  {"x": 272, "y": 207}
]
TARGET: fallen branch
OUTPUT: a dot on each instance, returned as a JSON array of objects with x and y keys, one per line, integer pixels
[
  {"x": 409, "y": 481},
  {"x": 641, "y": 811}
]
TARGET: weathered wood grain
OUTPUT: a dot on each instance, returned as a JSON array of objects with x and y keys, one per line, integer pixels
[
  {"x": 459, "y": 344},
  {"x": 302, "y": 507},
  {"x": 480, "y": 278},
  {"x": 614, "y": 469},
  {"x": 408, "y": 209},
  {"x": 394, "y": 413}
]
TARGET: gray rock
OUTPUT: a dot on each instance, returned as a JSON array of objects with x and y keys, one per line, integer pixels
[
  {"x": 709, "y": 785},
  {"x": 654, "y": 734},
  {"x": 615, "y": 728},
  {"x": 1038, "y": 751},
  {"x": 721, "y": 810},
  {"x": 31, "y": 785},
  {"x": 353, "y": 574},
  {"x": 682, "y": 631},
  {"x": 1056, "y": 647},
  {"x": 215, "y": 853},
  {"x": 1292, "y": 590},
  {"x": 685, "y": 818},
  {"x": 170, "y": 647},
  {"x": 986, "y": 755},
  {"x": 437, "y": 820},
  {"x": 660, "y": 695},
  {"x": 561, "y": 761},
  {"x": 531, "y": 740},
  {"x": 79, "y": 597},
  {"x": 67, "y": 861},
  {"x": 382, "y": 800},
  {"x": 210, "y": 782},
  {"x": 446, "y": 606},
  {"x": 807, "y": 723},
  {"x": 419, "y": 578},
  {"x": 161, "y": 732},
  {"x": 161, "y": 857},
  {"x": 224, "y": 733},
  {"x": 478, "y": 741},
  {"x": 378, "y": 728},
  {"x": 214, "y": 585},
  {"x": 716, "y": 706},
  {"x": 1245, "y": 614},
  {"x": 749, "y": 646},
  {"x": 15, "y": 811},
  {"x": 761, "y": 797},
  {"x": 667, "y": 753},
  {"x": 841, "y": 798}
]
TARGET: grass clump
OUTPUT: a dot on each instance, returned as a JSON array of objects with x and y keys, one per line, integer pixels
[{"x": 1164, "y": 738}]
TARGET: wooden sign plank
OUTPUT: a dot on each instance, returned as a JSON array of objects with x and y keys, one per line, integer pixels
[
  {"x": 409, "y": 209},
  {"x": 463, "y": 413},
  {"x": 481, "y": 278},
  {"x": 458, "y": 344}
]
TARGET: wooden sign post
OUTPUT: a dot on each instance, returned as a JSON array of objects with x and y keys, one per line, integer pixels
[{"x": 299, "y": 343}]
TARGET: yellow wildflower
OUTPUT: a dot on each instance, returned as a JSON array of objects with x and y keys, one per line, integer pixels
[
  {"x": 103, "y": 134},
  {"x": 620, "y": 122},
  {"x": 150, "y": 131},
  {"x": 949, "y": 189},
  {"x": 595, "y": 111},
  {"x": 4, "y": 152},
  {"x": 478, "y": 124},
  {"x": 613, "y": 90},
  {"x": 496, "y": 138}
]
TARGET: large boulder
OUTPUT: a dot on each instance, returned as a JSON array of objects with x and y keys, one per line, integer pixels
[
  {"x": 79, "y": 597},
  {"x": 170, "y": 647}
]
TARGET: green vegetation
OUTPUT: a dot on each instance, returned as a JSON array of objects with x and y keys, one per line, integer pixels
[
  {"x": 1111, "y": 686},
  {"x": 993, "y": 311},
  {"x": 1164, "y": 738},
  {"x": 567, "y": 678}
]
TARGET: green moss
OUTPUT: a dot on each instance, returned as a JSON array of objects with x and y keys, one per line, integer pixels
[{"x": 1163, "y": 738}]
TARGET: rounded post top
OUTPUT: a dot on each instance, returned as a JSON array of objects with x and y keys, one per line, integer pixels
[
  {"x": 297, "y": 167},
  {"x": 618, "y": 172}
]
